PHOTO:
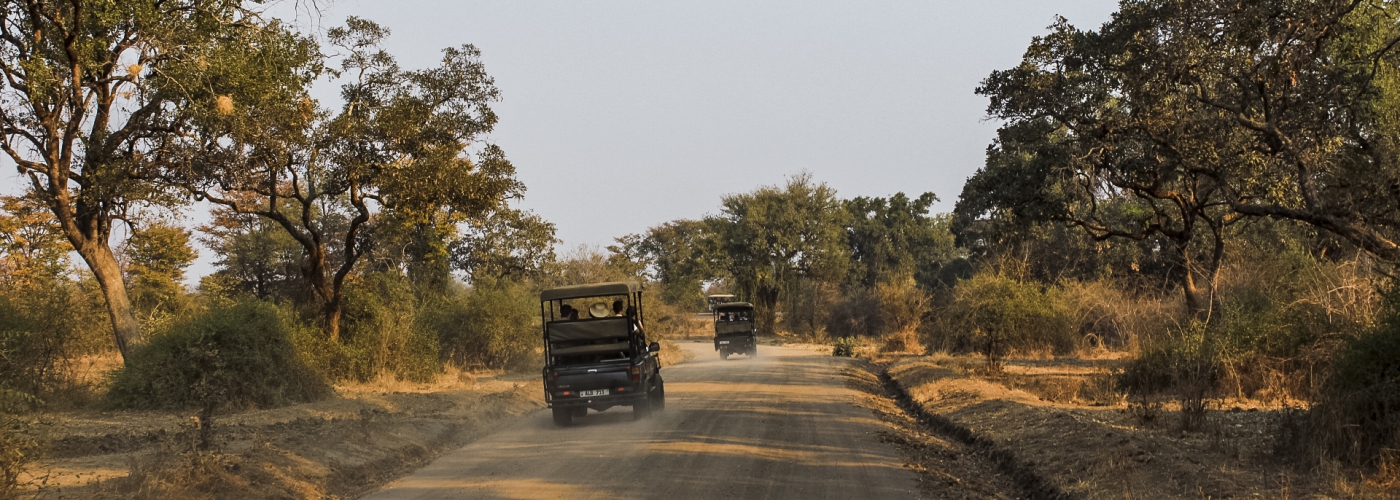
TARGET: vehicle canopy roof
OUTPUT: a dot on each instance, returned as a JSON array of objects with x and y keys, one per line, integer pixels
[
  {"x": 734, "y": 306},
  {"x": 590, "y": 290}
]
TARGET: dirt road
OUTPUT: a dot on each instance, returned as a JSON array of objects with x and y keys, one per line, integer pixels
[{"x": 783, "y": 425}]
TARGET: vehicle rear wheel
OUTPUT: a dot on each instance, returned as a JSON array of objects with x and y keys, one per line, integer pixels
[
  {"x": 563, "y": 417},
  {"x": 753, "y": 353},
  {"x": 658, "y": 402},
  {"x": 723, "y": 356},
  {"x": 580, "y": 412},
  {"x": 641, "y": 409}
]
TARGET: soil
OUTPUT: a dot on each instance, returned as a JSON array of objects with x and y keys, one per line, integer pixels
[
  {"x": 336, "y": 448},
  {"x": 1055, "y": 428}
]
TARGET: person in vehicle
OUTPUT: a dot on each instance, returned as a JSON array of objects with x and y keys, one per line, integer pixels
[
  {"x": 617, "y": 308},
  {"x": 568, "y": 313},
  {"x": 636, "y": 322}
]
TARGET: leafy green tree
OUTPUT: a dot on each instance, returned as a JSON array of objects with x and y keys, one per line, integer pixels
[
  {"x": 401, "y": 146},
  {"x": 678, "y": 254},
  {"x": 896, "y": 237},
  {"x": 775, "y": 235},
  {"x": 507, "y": 245},
  {"x": 1176, "y": 118},
  {"x": 254, "y": 256},
  {"x": 158, "y": 255},
  {"x": 94, "y": 91}
]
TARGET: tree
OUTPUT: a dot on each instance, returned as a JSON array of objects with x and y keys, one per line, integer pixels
[
  {"x": 678, "y": 254},
  {"x": 896, "y": 237},
  {"x": 93, "y": 90},
  {"x": 255, "y": 256},
  {"x": 1176, "y": 118},
  {"x": 31, "y": 248},
  {"x": 401, "y": 148},
  {"x": 157, "y": 257},
  {"x": 507, "y": 245},
  {"x": 773, "y": 236}
]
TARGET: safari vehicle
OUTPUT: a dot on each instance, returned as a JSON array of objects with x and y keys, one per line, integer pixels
[
  {"x": 713, "y": 300},
  {"x": 734, "y": 330},
  {"x": 602, "y": 359}
]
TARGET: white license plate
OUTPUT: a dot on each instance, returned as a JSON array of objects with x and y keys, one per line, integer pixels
[
  {"x": 722, "y": 342},
  {"x": 589, "y": 394}
]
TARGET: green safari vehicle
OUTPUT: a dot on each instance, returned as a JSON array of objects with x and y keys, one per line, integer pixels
[{"x": 735, "y": 332}]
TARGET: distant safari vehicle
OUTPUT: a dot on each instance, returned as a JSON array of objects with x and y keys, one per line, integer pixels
[
  {"x": 713, "y": 300},
  {"x": 601, "y": 360},
  {"x": 735, "y": 332}
]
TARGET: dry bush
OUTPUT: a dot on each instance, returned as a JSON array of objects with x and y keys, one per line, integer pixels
[
  {"x": 1111, "y": 317},
  {"x": 18, "y": 448}
]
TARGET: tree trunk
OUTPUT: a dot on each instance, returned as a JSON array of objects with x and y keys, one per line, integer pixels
[
  {"x": 332, "y": 312},
  {"x": 1194, "y": 307},
  {"x": 104, "y": 267}
]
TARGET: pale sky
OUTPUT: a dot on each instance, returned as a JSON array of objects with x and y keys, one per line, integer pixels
[{"x": 622, "y": 115}]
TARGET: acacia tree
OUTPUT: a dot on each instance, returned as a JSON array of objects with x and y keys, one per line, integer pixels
[
  {"x": 400, "y": 147},
  {"x": 93, "y": 90},
  {"x": 774, "y": 236}
]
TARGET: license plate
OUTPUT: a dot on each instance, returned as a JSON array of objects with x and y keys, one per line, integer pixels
[
  {"x": 588, "y": 394},
  {"x": 722, "y": 342}
]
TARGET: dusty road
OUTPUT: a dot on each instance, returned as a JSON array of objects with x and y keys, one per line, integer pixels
[{"x": 780, "y": 426}]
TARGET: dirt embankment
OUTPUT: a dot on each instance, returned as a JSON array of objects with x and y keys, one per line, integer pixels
[
  {"x": 1078, "y": 446},
  {"x": 337, "y": 448}
]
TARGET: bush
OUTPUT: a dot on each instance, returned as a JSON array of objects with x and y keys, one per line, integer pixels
[
  {"x": 1357, "y": 418},
  {"x": 995, "y": 314},
  {"x": 234, "y": 355},
  {"x": 1185, "y": 365},
  {"x": 386, "y": 332},
  {"x": 44, "y": 326},
  {"x": 494, "y": 326},
  {"x": 845, "y": 346}
]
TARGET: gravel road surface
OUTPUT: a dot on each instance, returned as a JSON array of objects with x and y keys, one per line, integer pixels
[{"x": 783, "y": 425}]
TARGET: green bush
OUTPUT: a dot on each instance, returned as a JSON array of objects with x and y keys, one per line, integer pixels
[
  {"x": 845, "y": 346},
  {"x": 995, "y": 314},
  {"x": 386, "y": 332},
  {"x": 494, "y": 326},
  {"x": 234, "y": 355}
]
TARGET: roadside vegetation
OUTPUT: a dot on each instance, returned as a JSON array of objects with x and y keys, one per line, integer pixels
[{"x": 1196, "y": 198}]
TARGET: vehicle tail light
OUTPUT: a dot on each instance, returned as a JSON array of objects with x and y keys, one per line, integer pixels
[
  {"x": 566, "y": 393},
  {"x": 621, "y": 389},
  {"x": 636, "y": 372}
]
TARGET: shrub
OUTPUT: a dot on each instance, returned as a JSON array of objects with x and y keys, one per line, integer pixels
[
  {"x": 234, "y": 355},
  {"x": 995, "y": 314},
  {"x": 1185, "y": 365},
  {"x": 386, "y": 332},
  {"x": 494, "y": 326},
  {"x": 43, "y": 326},
  {"x": 845, "y": 346},
  {"x": 1357, "y": 418}
]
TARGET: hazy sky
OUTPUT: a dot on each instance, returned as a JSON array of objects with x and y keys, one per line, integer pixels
[{"x": 621, "y": 115}]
